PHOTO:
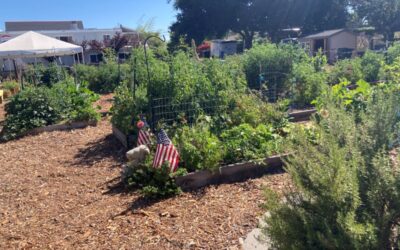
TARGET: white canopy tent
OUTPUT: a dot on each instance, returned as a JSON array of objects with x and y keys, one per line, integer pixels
[{"x": 32, "y": 44}]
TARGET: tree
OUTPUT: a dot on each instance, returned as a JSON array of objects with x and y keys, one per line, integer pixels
[
  {"x": 117, "y": 42},
  {"x": 318, "y": 15},
  {"x": 212, "y": 19},
  {"x": 384, "y": 15}
]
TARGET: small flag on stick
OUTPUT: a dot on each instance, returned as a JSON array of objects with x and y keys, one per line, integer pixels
[
  {"x": 166, "y": 151},
  {"x": 145, "y": 136}
]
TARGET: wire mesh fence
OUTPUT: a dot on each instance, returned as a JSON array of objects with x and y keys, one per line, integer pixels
[
  {"x": 271, "y": 87},
  {"x": 167, "y": 110}
]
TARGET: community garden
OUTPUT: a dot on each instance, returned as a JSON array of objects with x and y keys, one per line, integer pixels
[{"x": 343, "y": 163}]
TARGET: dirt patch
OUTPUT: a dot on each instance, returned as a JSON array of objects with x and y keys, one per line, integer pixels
[
  {"x": 60, "y": 190},
  {"x": 105, "y": 103}
]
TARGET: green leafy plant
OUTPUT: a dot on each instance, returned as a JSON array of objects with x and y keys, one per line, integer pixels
[
  {"x": 371, "y": 64},
  {"x": 40, "y": 74},
  {"x": 198, "y": 148},
  {"x": 393, "y": 53},
  {"x": 152, "y": 182},
  {"x": 347, "y": 69},
  {"x": 251, "y": 109},
  {"x": 105, "y": 77},
  {"x": 31, "y": 108},
  {"x": 127, "y": 107},
  {"x": 270, "y": 58},
  {"x": 244, "y": 143},
  {"x": 42, "y": 106},
  {"x": 351, "y": 98},
  {"x": 11, "y": 86},
  {"x": 308, "y": 84}
]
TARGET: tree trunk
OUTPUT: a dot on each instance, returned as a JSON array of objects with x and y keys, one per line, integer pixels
[{"x": 247, "y": 40}]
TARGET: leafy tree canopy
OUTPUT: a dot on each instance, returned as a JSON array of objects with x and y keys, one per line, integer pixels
[{"x": 199, "y": 20}]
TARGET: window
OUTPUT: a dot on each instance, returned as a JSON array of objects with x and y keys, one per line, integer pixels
[
  {"x": 123, "y": 56},
  {"x": 78, "y": 58},
  {"x": 96, "y": 58},
  {"x": 107, "y": 37},
  {"x": 67, "y": 39}
]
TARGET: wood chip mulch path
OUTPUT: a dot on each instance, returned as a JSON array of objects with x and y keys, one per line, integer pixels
[{"x": 60, "y": 190}]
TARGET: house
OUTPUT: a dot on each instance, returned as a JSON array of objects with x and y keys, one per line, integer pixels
[
  {"x": 336, "y": 44},
  {"x": 68, "y": 31},
  {"x": 222, "y": 48}
]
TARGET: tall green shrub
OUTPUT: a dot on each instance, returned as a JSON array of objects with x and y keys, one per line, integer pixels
[
  {"x": 347, "y": 182},
  {"x": 347, "y": 69},
  {"x": 393, "y": 53},
  {"x": 371, "y": 64},
  {"x": 271, "y": 59},
  {"x": 307, "y": 83}
]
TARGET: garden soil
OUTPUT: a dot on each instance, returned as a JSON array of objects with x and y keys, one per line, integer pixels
[{"x": 61, "y": 190}]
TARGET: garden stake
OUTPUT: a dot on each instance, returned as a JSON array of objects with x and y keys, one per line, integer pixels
[{"x": 148, "y": 75}]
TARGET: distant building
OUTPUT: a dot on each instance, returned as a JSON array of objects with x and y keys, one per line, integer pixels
[
  {"x": 68, "y": 31},
  {"x": 222, "y": 48},
  {"x": 336, "y": 44}
]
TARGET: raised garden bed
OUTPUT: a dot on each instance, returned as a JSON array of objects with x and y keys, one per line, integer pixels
[
  {"x": 128, "y": 141},
  {"x": 301, "y": 115},
  {"x": 61, "y": 127},
  {"x": 231, "y": 173}
]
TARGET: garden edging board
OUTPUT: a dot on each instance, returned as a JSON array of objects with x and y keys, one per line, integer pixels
[
  {"x": 231, "y": 173},
  {"x": 61, "y": 127}
]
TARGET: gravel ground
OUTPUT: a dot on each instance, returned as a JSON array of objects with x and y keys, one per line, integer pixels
[{"x": 60, "y": 190}]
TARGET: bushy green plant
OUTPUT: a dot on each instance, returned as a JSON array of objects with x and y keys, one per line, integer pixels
[
  {"x": 244, "y": 143},
  {"x": 351, "y": 98},
  {"x": 127, "y": 107},
  {"x": 31, "y": 108},
  {"x": 319, "y": 61},
  {"x": 391, "y": 72},
  {"x": 251, "y": 109},
  {"x": 46, "y": 75},
  {"x": 308, "y": 84},
  {"x": 42, "y": 106},
  {"x": 393, "y": 53},
  {"x": 10, "y": 85},
  {"x": 152, "y": 182},
  {"x": 371, "y": 64},
  {"x": 75, "y": 102},
  {"x": 347, "y": 182},
  {"x": 271, "y": 58},
  {"x": 105, "y": 77},
  {"x": 198, "y": 148},
  {"x": 347, "y": 69}
]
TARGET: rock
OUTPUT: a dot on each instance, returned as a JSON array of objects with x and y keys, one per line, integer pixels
[{"x": 137, "y": 155}]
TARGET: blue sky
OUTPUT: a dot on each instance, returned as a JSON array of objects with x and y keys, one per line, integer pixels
[{"x": 94, "y": 13}]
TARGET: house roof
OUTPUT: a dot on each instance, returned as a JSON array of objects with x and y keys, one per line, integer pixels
[
  {"x": 43, "y": 25},
  {"x": 325, "y": 34}
]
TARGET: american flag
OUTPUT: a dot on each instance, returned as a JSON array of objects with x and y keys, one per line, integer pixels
[
  {"x": 145, "y": 136},
  {"x": 166, "y": 151}
]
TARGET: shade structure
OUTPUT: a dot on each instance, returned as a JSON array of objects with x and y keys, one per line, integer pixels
[{"x": 32, "y": 44}]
